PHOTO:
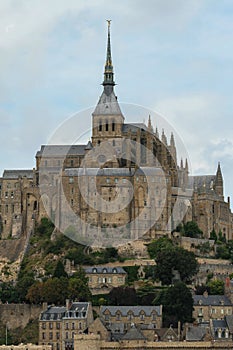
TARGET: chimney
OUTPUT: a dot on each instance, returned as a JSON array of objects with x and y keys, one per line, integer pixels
[
  {"x": 179, "y": 330},
  {"x": 44, "y": 306},
  {"x": 68, "y": 304}
]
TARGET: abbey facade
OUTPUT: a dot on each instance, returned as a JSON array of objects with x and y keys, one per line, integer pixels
[{"x": 126, "y": 181}]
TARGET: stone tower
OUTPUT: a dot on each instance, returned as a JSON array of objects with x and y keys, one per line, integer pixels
[{"x": 107, "y": 118}]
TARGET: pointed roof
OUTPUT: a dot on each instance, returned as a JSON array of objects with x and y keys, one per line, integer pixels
[
  {"x": 133, "y": 334},
  {"x": 108, "y": 71},
  {"x": 150, "y": 127},
  {"x": 219, "y": 178},
  {"x": 107, "y": 104}
]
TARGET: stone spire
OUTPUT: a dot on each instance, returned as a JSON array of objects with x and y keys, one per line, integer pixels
[
  {"x": 173, "y": 148},
  {"x": 108, "y": 82},
  {"x": 149, "y": 125},
  {"x": 164, "y": 139},
  {"x": 218, "y": 185}
]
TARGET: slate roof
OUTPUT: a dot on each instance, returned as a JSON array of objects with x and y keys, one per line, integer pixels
[
  {"x": 214, "y": 300},
  {"x": 204, "y": 184},
  {"x": 76, "y": 310},
  {"x": 219, "y": 324},
  {"x": 107, "y": 105},
  {"x": 229, "y": 321},
  {"x": 61, "y": 150},
  {"x": 97, "y": 171},
  {"x": 104, "y": 269},
  {"x": 53, "y": 313},
  {"x": 133, "y": 127},
  {"x": 195, "y": 333},
  {"x": 15, "y": 174},
  {"x": 164, "y": 332},
  {"x": 133, "y": 334},
  {"x": 134, "y": 309},
  {"x": 118, "y": 327},
  {"x": 143, "y": 171}
]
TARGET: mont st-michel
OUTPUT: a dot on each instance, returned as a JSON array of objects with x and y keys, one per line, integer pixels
[{"x": 113, "y": 243}]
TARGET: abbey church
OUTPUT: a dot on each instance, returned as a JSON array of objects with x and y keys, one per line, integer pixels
[{"x": 125, "y": 183}]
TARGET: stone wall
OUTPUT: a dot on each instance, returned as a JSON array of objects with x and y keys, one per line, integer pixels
[
  {"x": 18, "y": 315},
  {"x": 25, "y": 347},
  {"x": 93, "y": 342}
]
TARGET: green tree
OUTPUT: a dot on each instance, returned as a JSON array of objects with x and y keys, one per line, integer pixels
[
  {"x": 132, "y": 273},
  {"x": 177, "y": 304},
  {"x": 146, "y": 294},
  {"x": 122, "y": 296},
  {"x": 23, "y": 285},
  {"x": 213, "y": 235},
  {"x": 59, "y": 270},
  {"x": 55, "y": 290},
  {"x": 159, "y": 245},
  {"x": 216, "y": 287},
  {"x": 45, "y": 227},
  {"x": 8, "y": 293},
  {"x": 78, "y": 290},
  {"x": 222, "y": 251},
  {"x": 78, "y": 286},
  {"x": 221, "y": 237},
  {"x": 192, "y": 230},
  {"x": 35, "y": 293},
  {"x": 175, "y": 259}
]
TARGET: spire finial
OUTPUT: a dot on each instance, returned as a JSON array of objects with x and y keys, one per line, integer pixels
[
  {"x": 108, "y": 71},
  {"x": 149, "y": 125}
]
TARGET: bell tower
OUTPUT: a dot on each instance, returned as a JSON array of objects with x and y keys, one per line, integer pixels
[{"x": 107, "y": 118}]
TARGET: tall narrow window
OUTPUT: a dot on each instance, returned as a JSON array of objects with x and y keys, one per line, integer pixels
[
  {"x": 113, "y": 126},
  {"x": 100, "y": 125},
  {"x": 106, "y": 125}
]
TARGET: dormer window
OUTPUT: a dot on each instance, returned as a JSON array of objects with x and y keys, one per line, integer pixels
[
  {"x": 104, "y": 270},
  {"x": 118, "y": 316},
  {"x": 142, "y": 316},
  {"x": 114, "y": 270},
  {"x": 94, "y": 270},
  {"x": 130, "y": 315}
]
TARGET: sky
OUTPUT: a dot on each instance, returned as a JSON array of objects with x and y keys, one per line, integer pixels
[{"x": 174, "y": 57}]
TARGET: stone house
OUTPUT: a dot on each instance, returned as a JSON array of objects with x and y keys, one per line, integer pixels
[
  {"x": 207, "y": 307},
  {"x": 102, "y": 279},
  {"x": 58, "y": 324},
  {"x": 119, "y": 319}
]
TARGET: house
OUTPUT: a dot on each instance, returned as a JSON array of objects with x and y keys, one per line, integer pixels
[
  {"x": 222, "y": 330},
  {"x": 102, "y": 279},
  {"x": 58, "y": 324},
  {"x": 207, "y": 307},
  {"x": 119, "y": 319},
  {"x": 167, "y": 334},
  {"x": 197, "y": 333}
]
